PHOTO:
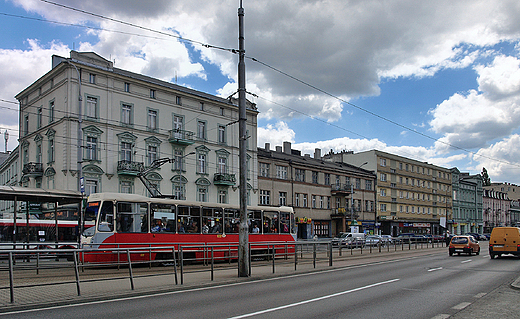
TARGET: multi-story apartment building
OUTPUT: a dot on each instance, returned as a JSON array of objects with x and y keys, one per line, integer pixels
[
  {"x": 496, "y": 206},
  {"x": 327, "y": 197},
  {"x": 513, "y": 193},
  {"x": 467, "y": 203},
  {"x": 411, "y": 196},
  {"x": 9, "y": 176},
  {"x": 88, "y": 125}
]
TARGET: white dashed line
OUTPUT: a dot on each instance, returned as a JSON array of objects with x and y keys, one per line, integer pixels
[{"x": 461, "y": 305}]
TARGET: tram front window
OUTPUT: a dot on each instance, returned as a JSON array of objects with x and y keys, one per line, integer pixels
[{"x": 106, "y": 217}]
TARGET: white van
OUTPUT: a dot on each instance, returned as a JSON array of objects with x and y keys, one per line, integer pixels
[{"x": 349, "y": 239}]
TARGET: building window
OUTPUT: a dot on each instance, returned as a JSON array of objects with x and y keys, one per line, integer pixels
[
  {"x": 315, "y": 177},
  {"x": 281, "y": 172},
  {"x": 91, "y": 186},
  {"x": 383, "y": 207},
  {"x": 222, "y": 196},
  {"x": 282, "y": 199},
  {"x": 201, "y": 106},
  {"x": 383, "y": 177},
  {"x": 368, "y": 185},
  {"x": 296, "y": 200},
  {"x": 382, "y": 192},
  {"x": 126, "y": 151},
  {"x": 152, "y": 120},
  {"x": 126, "y": 187},
  {"x": 222, "y": 165},
  {"x": 221, "y": 112},
  {"x": 201, "y": 130},
  {"x": 222, "y": 134},
  {"x": 327, "y": 179},
  {"x": 126, "y": 114},
  {"x": 305, "y": 200},
  {"x": 51, "y": 150},
  {"x": 328, "y": 202},
  {"x": 26, "y": 125},
  {"x": 127, "y": 87},
  {"x": 151, "y": 154},
  {"x": 264, "y": 169},
  {"x": 152, "y": 94},
  {"x": 358, "y": 183},
  {"x": 178, "y": 100},
  {"x": 91, "y": 107},
  {"x": 92, "y": 78},
  {"x": 265, "y": 197},
  {"x": 51, "y": 111},
  {"x": 299, "y": 175},
  {"x": 91, "y": 151},
  {"x": 179, "y": 191},
  {"x": 39, "y": 117},
  {"x": 202, "y": 193},
  {"x": 39, "y": 153},
  {"x": 177, "y": 156},
  {"x": 201, "y": 163},
  {"x": 383, "y": 162}
]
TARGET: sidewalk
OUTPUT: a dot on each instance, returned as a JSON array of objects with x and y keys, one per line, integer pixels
[{"x": 64, "y": 294}]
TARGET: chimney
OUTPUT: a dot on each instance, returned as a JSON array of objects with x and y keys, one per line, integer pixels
[
  {"x": 317, "y": 153},
  {"x": 287, "y": 147},
  {"x": 267, "y": 146},
  {"x": 279, "y": 149}
]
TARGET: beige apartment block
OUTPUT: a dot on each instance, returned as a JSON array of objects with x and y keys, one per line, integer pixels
[
  {"x": 327, "y": 197},
  {"x": 411, "y": 196},
  {"x": 100, "y": 132}
]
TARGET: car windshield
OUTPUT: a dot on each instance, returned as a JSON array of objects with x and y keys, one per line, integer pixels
[{"x": 459, "y": 240}]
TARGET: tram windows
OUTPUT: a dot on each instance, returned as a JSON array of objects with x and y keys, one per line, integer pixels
[
  {"x": 216, "y": 223},
  {"x": 106, "y": 217},
  {"x": 231, "y": 219},
  {"x": 163, "y": 218},
  {"x": 270, "y": 224},
  {"x": 211, "y": 220},
  {"x": 284, "y": 222},
  {"x": 131, "y": 217},
  {"x": 189, "y": 219},
  {"x": 254, "y": 218}
]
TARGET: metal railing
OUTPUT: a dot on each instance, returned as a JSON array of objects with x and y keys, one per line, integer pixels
[{"x": 25, "y": 264}]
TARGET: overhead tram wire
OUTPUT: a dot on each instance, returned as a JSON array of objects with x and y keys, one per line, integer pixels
[
  {"x": 374, "y": 114},
  {"x": 235, "y": 51},
  {"x": 140, "y": 27}
]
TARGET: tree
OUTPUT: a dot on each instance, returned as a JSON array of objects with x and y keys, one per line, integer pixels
[{"x": 485, "y": 177}]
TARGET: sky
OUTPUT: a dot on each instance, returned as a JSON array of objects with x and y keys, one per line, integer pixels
[{"x": 435, "y": 81}]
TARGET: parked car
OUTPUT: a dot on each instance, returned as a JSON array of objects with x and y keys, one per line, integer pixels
[
  {"x": 344, "y": 239},
  {"x": 387, "y": 239},
  {"x": 373, "y": 240},
  {"x": 464, "y": 244},
  {"x": 477, "y": 236},
  {"x": 411, "y": 238}
]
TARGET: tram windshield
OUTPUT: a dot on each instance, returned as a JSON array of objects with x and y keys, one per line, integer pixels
[{"x": 90, "y": 215}]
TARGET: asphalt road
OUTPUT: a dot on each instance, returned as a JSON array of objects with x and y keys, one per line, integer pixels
[{"x": 432, "y": 286}]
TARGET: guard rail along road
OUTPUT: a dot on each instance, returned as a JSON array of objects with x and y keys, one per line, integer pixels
[{"x": 30, "y": 271}]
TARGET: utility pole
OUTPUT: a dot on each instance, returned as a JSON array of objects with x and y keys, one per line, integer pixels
[{"x": 243, "y": 231}]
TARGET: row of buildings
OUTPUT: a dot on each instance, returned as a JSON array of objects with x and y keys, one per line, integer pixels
[{"x": 88, "y": 126}]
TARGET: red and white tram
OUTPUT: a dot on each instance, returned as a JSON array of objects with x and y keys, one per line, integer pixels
[{"x": 130, "y": 221}]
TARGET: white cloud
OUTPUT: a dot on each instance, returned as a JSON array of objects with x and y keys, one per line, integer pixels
[
  {"x": 500, "y": 159},
  {"x": 476, "y": 118},
  {"x": 275, "y": 134}
]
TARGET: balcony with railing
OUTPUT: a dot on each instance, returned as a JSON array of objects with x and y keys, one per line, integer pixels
[
  {"x": 224, "y": 179},
  {"x": 129, "y": 168},
  {"x": 33, "y": 169},
  {"x": 341, "y": 189},
  {"x": 181, "y": 137}
]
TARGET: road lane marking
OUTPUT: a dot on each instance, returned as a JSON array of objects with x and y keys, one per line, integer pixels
[
  {"x": 313, "y": 300},
  {"x": 434, "y": 269},
  {"x": 480, "y": 295},
  {"x": 466, "y": 261},
  {"x": 461, "y": 305},
  {"x": 441, "y": 316}
]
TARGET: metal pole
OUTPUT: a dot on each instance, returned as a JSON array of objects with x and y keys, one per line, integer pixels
[
  {"x": 243, "y": 236},
  {"x": 130, "y": 269},
  {"x": 75, "y": 255},
  {"x": 11, "y": 279}
]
